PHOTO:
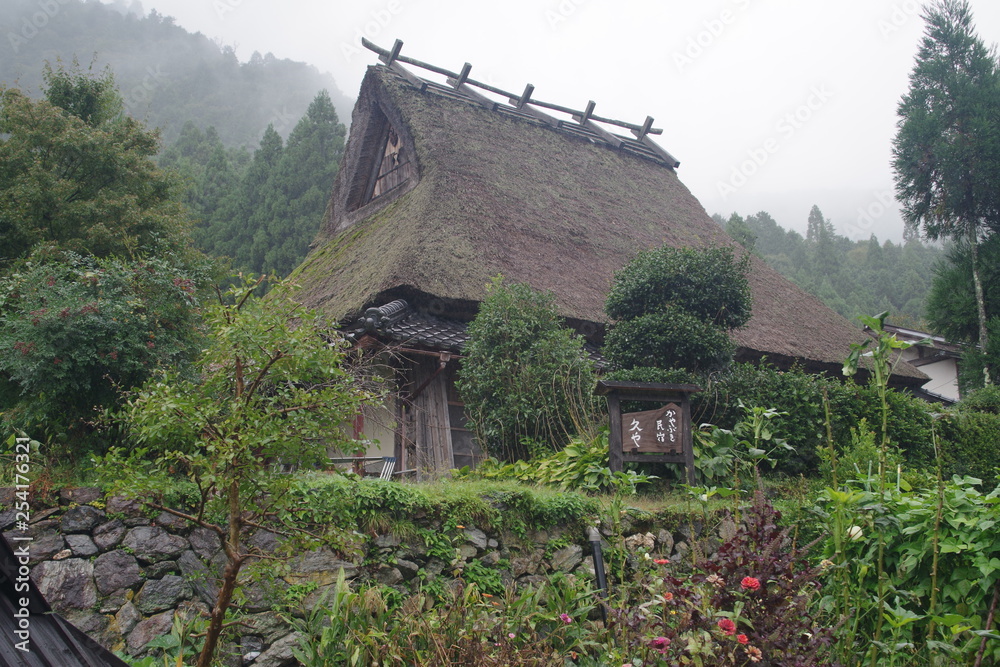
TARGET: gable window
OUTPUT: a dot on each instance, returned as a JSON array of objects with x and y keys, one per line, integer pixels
[{"x": 393, "y": 166}]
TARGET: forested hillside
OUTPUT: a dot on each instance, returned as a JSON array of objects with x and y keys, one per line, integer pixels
[
  {"x": 261, "y": 210},
  {"x": 166, "y": 75},
  {"x": 256, "y": 144},
  {"x": 852, "y": 277}
]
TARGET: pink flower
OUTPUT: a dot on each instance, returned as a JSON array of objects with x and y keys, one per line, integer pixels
[
  {"x": 660, "y": 644},
  {"x": 750, "y": 584},
  {"x": 743, "y": 639},
  {"x": 727, "y": 626},
  {"x": 565, "y": 618}
]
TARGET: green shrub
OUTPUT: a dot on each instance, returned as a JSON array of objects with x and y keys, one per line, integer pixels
[
  {"x": 859, "y": 460},
  {"x": 668, "y": 336},
  {"x": 969, "y": 444},
  {"x": 797, "y": 395},
  {"x": 909, "y": 423},
  {"x": 674, "y": 308},
  {"x": 525, "y": 377},
  {"x": 986, "y": 399},
  {"x": 580, "y": 466},
  {"x": 76, "y": 331}
]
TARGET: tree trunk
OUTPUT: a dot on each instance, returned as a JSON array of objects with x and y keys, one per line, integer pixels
[
  {"x": 980, "y": 305},
  {"x": 231, "y": 546},
  {"x": 229, "y": 577}
]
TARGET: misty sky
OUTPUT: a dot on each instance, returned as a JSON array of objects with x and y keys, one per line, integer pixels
[{"x": 769, "y": 105}]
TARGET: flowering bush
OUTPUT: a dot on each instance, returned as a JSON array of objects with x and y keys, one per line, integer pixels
[
  {"x": 75, "y": 331},
  {"x": 749, "y": 602}
]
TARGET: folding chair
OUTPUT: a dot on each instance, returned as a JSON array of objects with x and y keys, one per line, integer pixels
[{"x": 388, "y": 466}]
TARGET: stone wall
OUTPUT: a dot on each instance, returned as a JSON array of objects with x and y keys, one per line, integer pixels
[{"x": 121, "y": 575}]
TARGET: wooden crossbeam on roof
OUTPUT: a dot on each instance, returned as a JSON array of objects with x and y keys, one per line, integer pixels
[
  {"x": 655, "y": 147},
  {"x": 612, "y": 139},
  {"x": 478, "y": 97},
  {"x": 524, "y": 98},
  {"x": 463, "y": 75},
  {"x": 644, "y": 130},
  {"x": 522, "y": 102},
  {"x": 396, "y": 48},
  {"x": 409, "y": 76}
]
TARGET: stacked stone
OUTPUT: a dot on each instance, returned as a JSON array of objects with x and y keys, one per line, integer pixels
[{"x": 122, "y": 577}]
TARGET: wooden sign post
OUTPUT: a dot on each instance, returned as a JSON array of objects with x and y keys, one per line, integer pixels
[{"x": 662, "y": 435}]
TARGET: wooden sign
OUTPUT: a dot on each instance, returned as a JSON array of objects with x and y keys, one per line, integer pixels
[
  {"x": 653, "y": 430},
  {"x": 651, "y": 436}
]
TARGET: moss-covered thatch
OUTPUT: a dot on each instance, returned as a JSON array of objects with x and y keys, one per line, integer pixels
[{"x": 500, "y": 194}]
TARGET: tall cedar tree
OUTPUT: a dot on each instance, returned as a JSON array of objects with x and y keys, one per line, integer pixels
[
  {"x": 951, "y": 307},
  {"x": 263, "y": 216},
  {"x": 947, "y": 147}
]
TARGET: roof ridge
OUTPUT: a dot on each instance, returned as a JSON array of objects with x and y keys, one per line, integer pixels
[{"x": 583, "y": 123}]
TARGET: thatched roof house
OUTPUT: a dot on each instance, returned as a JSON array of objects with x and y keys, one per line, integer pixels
[{"x": 443, "y": 187}]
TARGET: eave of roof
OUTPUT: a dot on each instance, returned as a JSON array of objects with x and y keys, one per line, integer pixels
[{"x": 53, "y": 641}]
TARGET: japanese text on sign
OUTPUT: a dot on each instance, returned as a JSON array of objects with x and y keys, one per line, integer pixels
[{"x": 653, "y": 430}]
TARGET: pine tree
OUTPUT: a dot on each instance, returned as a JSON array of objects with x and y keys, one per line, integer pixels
[
  {"x": 304, "y": 176},
  {"x": 947, "y": 148},
  {"x": 264, "y": 216}
]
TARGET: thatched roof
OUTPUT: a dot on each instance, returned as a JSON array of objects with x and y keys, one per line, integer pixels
[{"x": 497, "y": 192}]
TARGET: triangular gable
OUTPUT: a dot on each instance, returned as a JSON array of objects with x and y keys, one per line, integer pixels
[
  {"x": 383, "y": 161},
  {"x": 393, "y": 169}
]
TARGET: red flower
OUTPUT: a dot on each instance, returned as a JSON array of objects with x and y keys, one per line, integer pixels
[
  {"x": 750, "y": 584},
  {"x": 743, "y": 639},
  {"x": 661, "y": 561},
  {"x": 660, "y": 644},
  {"x": 24, "y": 348},
  {"x": 668, "y": 596},
  {"x": 727, "y": 626}
]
